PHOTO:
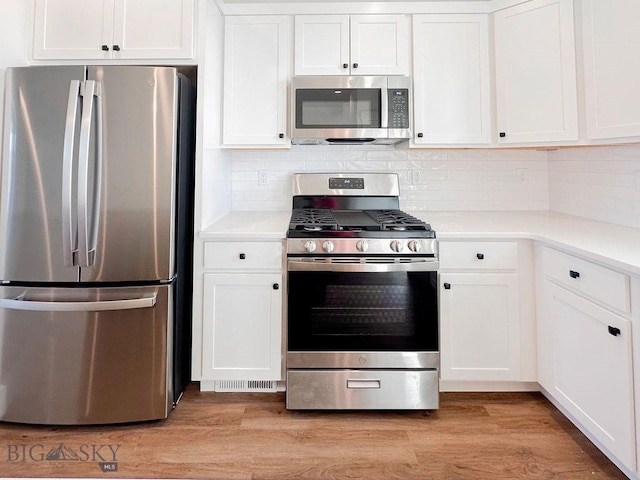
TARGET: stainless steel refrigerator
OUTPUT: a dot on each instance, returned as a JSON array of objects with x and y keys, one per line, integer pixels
[{"x": 95, "y": 243}]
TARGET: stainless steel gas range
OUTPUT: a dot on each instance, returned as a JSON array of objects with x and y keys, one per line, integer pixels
[{"x": 362, "y": 309}]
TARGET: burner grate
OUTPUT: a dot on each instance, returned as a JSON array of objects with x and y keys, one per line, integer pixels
[
  {"x": 312, "y": 220},
  {"x": 397, "y": 220}
]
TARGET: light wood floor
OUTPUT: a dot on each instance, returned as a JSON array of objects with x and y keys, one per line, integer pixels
[{"x": 252, "y": 436}]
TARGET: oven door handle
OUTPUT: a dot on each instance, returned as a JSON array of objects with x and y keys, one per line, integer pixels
[{"x": 310, "y": 266}]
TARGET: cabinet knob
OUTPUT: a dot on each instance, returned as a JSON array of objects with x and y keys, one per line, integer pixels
[
  {"x": 503, "y": 134},
  {"x": 242, "y": 256},
  {"x": 355, "y": 65},
  {"x": 116, "y": 48},
  {"x": 574, "y": 274},
  {"x": 480, "y": 256},
  {"x": 105, "y": 48},
  {"x": 281, "y": 135},
  {"x": 420, "y": 135},
  {"x": 345, "y": 65},
  {"x": 276, "y": 286},
  {"x": 447, "y": 286},
  {"x": 614, "y": 331}
]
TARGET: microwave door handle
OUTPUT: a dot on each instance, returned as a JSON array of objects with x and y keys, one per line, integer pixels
[
  {"x": 384, "y": 107},
  {"x": 69, "y": 223}
]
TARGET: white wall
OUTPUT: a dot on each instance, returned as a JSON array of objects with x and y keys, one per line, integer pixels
[
  {"x": 600, "y": 183},
  {"x": 214, "y": 177},
  {"x": 475, "y": 179},
  {"x": 14, "y": 21}
]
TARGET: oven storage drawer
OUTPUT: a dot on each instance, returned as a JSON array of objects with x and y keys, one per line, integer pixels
[{"x": 362, "y": 389}]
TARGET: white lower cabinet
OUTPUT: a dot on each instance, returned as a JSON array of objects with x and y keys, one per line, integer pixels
[
  {"x": 242, "y": 314},
  {"x": 480, "y": 332},
  {"x": 242, "y": 326},
  {"x": 486, "y": 325},
  {"x": 585, "y": 353}
]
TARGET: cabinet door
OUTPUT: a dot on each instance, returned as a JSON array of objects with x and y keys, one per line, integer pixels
[
  {"x": 72, "y": 29},
  {"x": 592, "y": 368},
  {"x": 535, "y": 72},
  {"x": 242, "y": 327},
  {"x": 153, "y": 28},
  {"x": 479, "y": 326},
  {"x": 611, "y": 67},
  {"x": 380, "y": 45},
  {"x": 322, "y": 45},
  {"x": 451, "y": 79},
  {"x": 256, "y": 72}
]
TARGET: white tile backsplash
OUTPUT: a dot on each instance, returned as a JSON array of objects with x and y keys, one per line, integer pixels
[
  {"x": 471, "y": 179},
  {"x": 600, "y": 183}
]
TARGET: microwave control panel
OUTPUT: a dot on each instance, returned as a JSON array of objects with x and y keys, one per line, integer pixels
[{"x": 398, "y": 107}]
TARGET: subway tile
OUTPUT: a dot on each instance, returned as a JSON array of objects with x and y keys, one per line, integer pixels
[{"x": 602, "y": 182}]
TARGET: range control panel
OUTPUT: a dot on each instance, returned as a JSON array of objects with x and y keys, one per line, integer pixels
[{"x": 343, "y": 183}]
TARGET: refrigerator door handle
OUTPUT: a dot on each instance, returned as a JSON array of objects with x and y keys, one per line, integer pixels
[
  {"x": 69, "y": 223},
  {"x": 36, "y": 306},
  {"x": 89, "y": 197}
]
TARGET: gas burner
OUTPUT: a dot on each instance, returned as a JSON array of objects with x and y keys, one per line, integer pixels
[
  {"x": 322, "y": 211},
  {"x": 312, "y": 220},
  {"x": 397, "y": 220}
]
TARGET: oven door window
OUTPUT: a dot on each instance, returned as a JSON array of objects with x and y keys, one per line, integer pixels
[
  {"x": 394, "y": 311},
  {"x": 338, "y": 108}
]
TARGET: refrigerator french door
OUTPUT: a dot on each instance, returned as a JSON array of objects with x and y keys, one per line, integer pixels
[{"x": 94, "y": 259}]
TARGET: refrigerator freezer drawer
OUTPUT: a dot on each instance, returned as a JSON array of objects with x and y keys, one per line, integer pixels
[{"x": 85, "y": 356}]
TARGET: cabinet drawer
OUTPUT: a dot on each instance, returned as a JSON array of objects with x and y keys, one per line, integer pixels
[
  {"x": 243, "y": 255},
  {"x": 601, "y": 283},
  {"x": 478, "y": 255}
]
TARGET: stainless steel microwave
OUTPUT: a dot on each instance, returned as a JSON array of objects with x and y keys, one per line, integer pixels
[{"x": 350, "y": 109}]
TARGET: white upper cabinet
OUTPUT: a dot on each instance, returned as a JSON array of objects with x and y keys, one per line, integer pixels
[
  {"x": 535, "y": 72},
  {"x": 352, "y": 45},
  {"x": 256, "y": 73},
  {"x": 611, "y": 52},
  {"x": 113, "y": 29},
  {"x": 451, "y": 89},
  {"x": 322, "y": 45}
]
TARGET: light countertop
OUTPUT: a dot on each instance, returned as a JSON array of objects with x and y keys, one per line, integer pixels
[{"x": 607, "y": 243}]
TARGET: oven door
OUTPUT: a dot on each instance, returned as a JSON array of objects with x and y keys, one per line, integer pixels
[{"x": 362, "y": 307}]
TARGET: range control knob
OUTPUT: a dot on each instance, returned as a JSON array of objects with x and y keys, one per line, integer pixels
[
  {"x": 362, "y": 245},
  {"x": 309, "y": 246},
  {"x": 328, "y": 246},
  {"x": 414, "y": 246},
  {"x": 397, "y": 246}
]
